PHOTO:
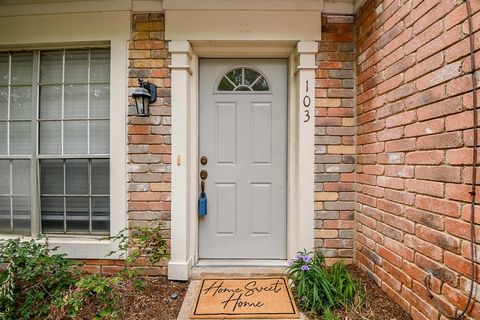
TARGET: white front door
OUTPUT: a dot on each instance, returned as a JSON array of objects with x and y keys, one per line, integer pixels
[{"x": 243, "y": 135}]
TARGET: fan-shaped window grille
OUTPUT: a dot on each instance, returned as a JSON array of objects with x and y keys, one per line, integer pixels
[{"x": 243, "y": 79}]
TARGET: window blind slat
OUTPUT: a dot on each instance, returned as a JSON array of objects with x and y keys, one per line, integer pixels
[
  {"x": 3, "y": 137},
  {"x": 100, "y": 177},
  {"x": 21, "y": 214},
  {"x": 20, "y": 137},
  {"x": 76, "y": 101},
  {"x": 100, "y": 214},
  {"x": 51, "y": 177},
  {"x": 100, "y": 65},
  {"x": 78, "y": 219},
  {"x": 22, "y": 67},
  {"x": 99, "y": 101},
  {"x": 52, "y": 214},
  {"x": 3, "y": 102},
  {"x": 75, "y": 137},
  {"x": 50, "y": 137},
  {"x": 21, "y": 177},
  {"x": 4, "y": 66},
  {"x": 76, "y": 176},
  {"x": 99, "y": 137},
  {"x": 51, "y": 66},
  {"x": 5, "y": 174},
  {"x": 51, "y": 102},
  {"x": 76, "y": 66},
  {"x": 5, "y": 213},
  {"x": 21, "y": 102}
]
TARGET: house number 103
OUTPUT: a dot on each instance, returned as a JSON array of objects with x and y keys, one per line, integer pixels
[{"x": 306, "y": 103}]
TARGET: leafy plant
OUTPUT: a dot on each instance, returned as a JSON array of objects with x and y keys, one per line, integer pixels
[
  {"x": 343, "y": 282},
  {"x": 39, "y": 284},
  {"x": 142, "y": 242},
  {"x": 319, "y": 289},
  {"x": 329, "y": 315},
  {"x": 96, "y": 290},
  {"x": 33, "y": 280}
]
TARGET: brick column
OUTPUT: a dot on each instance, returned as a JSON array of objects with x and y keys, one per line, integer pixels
[
  {"x": 148, "y": 147},
  {"x": 334, "y": 140}
]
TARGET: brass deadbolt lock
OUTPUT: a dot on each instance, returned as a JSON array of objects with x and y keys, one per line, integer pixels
[{"x": 203, "y": 160}]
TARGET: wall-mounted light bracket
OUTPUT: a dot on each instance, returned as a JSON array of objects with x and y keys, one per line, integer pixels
[{"x": 143, "y": 96}]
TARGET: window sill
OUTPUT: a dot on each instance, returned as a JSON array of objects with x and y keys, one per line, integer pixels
[{"x": 79, "y": 247}]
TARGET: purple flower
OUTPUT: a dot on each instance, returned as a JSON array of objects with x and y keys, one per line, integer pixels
[
  {"x": 305, "y": 268},
  {"x": 297, "y": 256},
  {"x": 290, "y": 263},
  {"x": 306, "y": 258}
]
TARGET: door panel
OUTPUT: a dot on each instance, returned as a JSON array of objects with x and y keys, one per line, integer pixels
[
  {"x": 261, "y": 133},
  {"x": 226, "y": 199},
  {"x": 261, "y": 208},
  {"x": 226, "y": 124},
  {"x": 244, "y": 136}
]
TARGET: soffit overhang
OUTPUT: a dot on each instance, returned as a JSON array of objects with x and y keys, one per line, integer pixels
[
  {"x": 246, "y": 20},
  {"x": 45, "y": 7}
]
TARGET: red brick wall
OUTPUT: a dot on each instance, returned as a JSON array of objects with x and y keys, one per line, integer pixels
[
  {"x": 334, "y": 139},
  {"x": 149, "y": 147},
  {"x": 149, "y": 142},
  {"x": 149, "y": 152},
  {"x": 414, "y": 122}
]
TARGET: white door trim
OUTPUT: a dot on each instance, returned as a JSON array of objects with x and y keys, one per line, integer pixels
[{"x": 300, "y": 188}]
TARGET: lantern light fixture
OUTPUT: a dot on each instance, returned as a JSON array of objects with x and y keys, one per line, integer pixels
[{"x": 143, "y": 96}]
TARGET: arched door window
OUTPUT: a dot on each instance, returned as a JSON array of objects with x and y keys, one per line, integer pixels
[{"x": 243, "y": 79}]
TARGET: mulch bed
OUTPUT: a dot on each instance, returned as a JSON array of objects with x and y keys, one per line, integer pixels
[
  {"x": 154, "y": 302},
  {"x": 377, "y": 305}
]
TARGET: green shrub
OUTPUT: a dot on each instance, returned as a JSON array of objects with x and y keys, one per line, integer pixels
[
  {"x": 95, "y": 290},
  {"x": 138, "y": 242},
  {"x": 39, "y": 284},
  {"x": 34, "y": 279},
  {"x": 319, "y": 289}
]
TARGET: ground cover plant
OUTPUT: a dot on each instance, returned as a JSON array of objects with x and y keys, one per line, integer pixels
[
  {"x": 33, "y": 280},
  {"x": 320, "y": 289},
  {"x": 38, "y": 283}
]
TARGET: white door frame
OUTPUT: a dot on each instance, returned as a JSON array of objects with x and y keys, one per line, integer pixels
[{"x": 184, "y": 100}]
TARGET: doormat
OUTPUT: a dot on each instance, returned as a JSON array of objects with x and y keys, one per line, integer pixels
[{"x": 241, "y": 298}]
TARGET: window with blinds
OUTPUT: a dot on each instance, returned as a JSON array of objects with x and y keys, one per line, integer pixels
[
  {"x": 54, "y": 141},
  {"x": 16, "y": 149}
]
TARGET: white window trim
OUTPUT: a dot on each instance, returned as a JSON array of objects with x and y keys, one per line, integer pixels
[{"x": 55, "y": 34}]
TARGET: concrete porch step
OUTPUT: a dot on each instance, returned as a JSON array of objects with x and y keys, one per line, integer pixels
[{"x": 200, "y": 272}]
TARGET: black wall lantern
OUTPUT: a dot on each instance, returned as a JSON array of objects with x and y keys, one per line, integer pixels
[{"x": 146, "y": 94}]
